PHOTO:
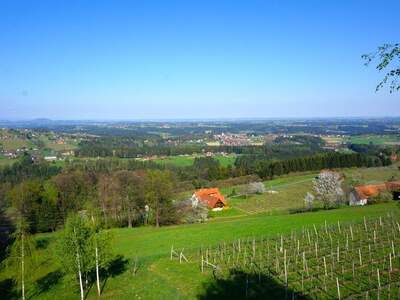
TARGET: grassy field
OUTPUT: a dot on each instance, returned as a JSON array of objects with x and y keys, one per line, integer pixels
[
  {"x": 4, "y": 161},
  {"x": 187, "y": 161},
  {"x": 52, "y": 145},
  {"x": 375, "y": 139},
  {"x": 14, "y": 144},
  {"x": 348, "y": 261},
  {"x": 160, "y": 278},
  {"x": 374, "y": 175},
  {"x": 289, "y": 191}
]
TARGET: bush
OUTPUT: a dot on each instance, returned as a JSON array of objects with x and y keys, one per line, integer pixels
[
  {"x": 189, "y": 214},
  {"x": 381, "y": 198}
]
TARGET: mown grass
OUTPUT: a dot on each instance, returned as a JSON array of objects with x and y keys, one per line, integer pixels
[
  {"x": 187, "y": 161},
  {"x": 4, "y": 161},
  {"x": 52, "y": 145},
  {"x": 375, "y": 139},
  {"x": 158, "y": 277},
  {"x": 13, "y": 144},
  {"x": 289, "y": 191}
]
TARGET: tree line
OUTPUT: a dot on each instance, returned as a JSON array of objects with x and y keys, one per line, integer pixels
[
  {"x": 265, "y": 168},
  {"x": 123, "y": 198},
  {"x": 127, "y": 148}
]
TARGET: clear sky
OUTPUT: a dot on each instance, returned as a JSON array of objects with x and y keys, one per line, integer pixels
[{"x": 193, "y": 59}]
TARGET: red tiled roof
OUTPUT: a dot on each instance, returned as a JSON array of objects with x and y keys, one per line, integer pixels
[
  {"x": 366, "y": 191},
  {"x": 211, "y": 197}
]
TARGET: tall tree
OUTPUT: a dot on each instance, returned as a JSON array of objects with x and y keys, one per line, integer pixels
[
  {"x": 74, "y": 250},
  {"x": 101, "y": 245},
  {"x": 24, "y": 197},
  {"x": 159, "y": 185},
  {"x": 21, "y": 253},
  {"x": 131, "y": 193},
  {"x": 388, "y": 57}
]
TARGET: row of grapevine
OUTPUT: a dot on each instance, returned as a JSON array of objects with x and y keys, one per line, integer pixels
[{"x": 340, "y": 261}]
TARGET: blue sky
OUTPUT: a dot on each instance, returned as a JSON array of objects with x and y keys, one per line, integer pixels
[{"x": 193, "y": 59}]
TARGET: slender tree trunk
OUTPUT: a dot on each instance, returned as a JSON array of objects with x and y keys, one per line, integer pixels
[
  {"x": 129, "y": 219},
  {"x": 78, "y": 262},
  {"x": 97, "y": 271},
  {"x": 157, "y": 217},
  {"x": 79, "y": 274},
  {"x": 129, "y": 213},
  {"x": 97, "y": 264},
  {"x": 22, "y": 267},
  {"x": 104, "y": 213}
]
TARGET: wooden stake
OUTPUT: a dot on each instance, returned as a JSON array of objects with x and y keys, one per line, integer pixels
[
  {"x": 379, "y": 278},
  {"x": 365, "y": 224},
  {"x": 338, "y": 253},
  {"x": 316, "y": 250},
  {"x": 286, "y": 280},
  {"x": 351, "y": 233}
]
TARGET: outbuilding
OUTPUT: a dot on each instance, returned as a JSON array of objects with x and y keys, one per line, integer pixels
[{"x": 212, "y": 197}]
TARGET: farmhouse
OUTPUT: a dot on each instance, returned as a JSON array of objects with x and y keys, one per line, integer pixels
[
  {"x": 360, "y": 194},
  {"x": 211, "y": 197},
  {"x": 50, "y": 158}
]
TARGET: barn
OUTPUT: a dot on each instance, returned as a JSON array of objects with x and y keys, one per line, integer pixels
[
  {"x": 360, "y": 194},
  {"x": 211, "y": 197}
]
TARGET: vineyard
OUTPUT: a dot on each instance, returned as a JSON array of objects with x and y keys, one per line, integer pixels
[{"x": 341, "y": 261}]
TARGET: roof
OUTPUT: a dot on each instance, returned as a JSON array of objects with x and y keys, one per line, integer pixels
[
  {"x": 366, "y": 191},
  {"x": 210, "y": 196}
]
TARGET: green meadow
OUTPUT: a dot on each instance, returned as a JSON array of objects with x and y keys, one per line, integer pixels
[
  {"x": 158, "y": 277},
  {"x": 187, "y": 161},
  {"x": 265, "y": 215},
  {"x": 375, "y": 139},
  {"x": 13, "y": 144}
]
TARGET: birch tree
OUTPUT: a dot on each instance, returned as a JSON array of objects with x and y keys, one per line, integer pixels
[
  {"x": 387, "y": 57},
  {"x": 20, "y": 256},
  {"x": 75, "y": 254},
  {"x": 309, "y": 201},
  {"x": 101, "y": 245}
]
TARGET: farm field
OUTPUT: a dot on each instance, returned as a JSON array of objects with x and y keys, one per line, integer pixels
[
  {"x": 187, "y": 161},
  {"x": 374, "y": 175},
  {"x": 326, "y": 262},
  {"x": 4, "y": 161},
  {"x": 69, "y": 145},
  {"x": 160, "y": 278},
  {"x": 289, "y": 191},
  {"x": 14, "y": 144},
  {"x": 375, "y": 139}
]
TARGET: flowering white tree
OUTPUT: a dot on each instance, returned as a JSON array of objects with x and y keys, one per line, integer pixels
[
  {"x": 309, "y": 201},
  {"x": 327, "y": 187},
  {"x": 255, "y": 187}
]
